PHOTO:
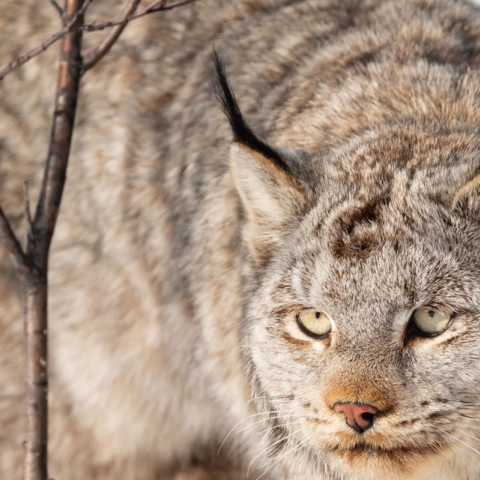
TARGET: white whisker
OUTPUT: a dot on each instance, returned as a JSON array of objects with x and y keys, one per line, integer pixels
[
  {"x": 468, "y": 435},
  {"x": 475, "y": 428},
  {"x": 281, "y": 457},
  {"x": 463, "y": 443},
  {"x": 280, "y": 426},
  {"x": 270, "y": 446},
  {"x": 277, "y": 397},
  {"x": 263, "y": 421},
  {"x": 244, "y": 420}
]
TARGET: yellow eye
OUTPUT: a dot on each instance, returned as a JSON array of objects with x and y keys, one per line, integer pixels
[
  {"x": 430, "y": 321},
  {"x": 314, "y": 323}
]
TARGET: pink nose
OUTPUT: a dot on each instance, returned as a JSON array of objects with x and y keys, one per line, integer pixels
[{"x": 359, "y": 416}]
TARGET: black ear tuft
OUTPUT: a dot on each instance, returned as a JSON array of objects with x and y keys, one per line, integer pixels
[
  {"x": 223, "y": 91},
  {"x": 241, "y": 131}
]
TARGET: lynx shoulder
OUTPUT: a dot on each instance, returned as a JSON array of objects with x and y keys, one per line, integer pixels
[{"x": 270, "y": 253}]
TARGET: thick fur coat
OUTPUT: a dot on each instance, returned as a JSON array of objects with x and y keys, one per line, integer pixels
[{"x": 191, "y": 240}]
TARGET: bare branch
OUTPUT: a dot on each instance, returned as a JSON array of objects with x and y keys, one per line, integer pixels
[
  {"x": 69, "y": 69},
  {"x": 92, "y": 57},
  {"x": 57, "y": 7},
  {"x": 35, "y": 285},
  {"x": 157, "y": 6},
  {"x": 26, "y": 196},
  {"x": 47, "y": 43},
  {"x": 12, "y": 245}
]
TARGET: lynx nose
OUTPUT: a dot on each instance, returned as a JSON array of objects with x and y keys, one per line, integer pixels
[{"x": 358, "y": 416}]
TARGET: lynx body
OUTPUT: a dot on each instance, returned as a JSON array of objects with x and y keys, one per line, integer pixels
[{"x": 197, "y": 248}]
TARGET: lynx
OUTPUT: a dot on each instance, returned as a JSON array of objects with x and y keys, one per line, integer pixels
[{"x": 266, "y": 264}]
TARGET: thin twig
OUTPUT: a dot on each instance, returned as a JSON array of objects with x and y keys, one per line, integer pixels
[
  {"x": 92, "y": 57},
  {"x": 157, "y": 6},
  {"x": 57, "y": 7},
  {"x": 12, "y": 245},
  {"x": 47, "y": 43},
  {"x": 26, "y": 207},
  {"x": 26, "y": 196},
  {"x": 22, "y": 59}
]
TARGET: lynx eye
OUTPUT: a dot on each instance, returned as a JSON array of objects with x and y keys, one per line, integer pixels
[
  {"x": 430, "y": 321},
  {"x": 314, "y": 323}
]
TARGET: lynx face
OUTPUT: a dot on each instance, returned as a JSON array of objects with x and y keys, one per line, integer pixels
[
  {"x": 362, "y": 334},
  {"x": 420, "y": 386}
]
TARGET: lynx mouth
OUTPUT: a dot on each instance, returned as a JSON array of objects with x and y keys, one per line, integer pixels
[{"x": 400, "y": 458}]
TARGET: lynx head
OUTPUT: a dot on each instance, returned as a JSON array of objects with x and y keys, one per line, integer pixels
[{"x": 361, "y": 331}]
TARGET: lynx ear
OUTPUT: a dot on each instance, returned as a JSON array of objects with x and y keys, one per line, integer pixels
[
  {"x": 271, "y": 198},
  {"x": 270, "y": 192},
  {"x": 467, "y": 200}
]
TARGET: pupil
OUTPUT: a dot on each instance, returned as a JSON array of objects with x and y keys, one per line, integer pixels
[
  {"x": 431, "y": 313},
  {"x": 317, "y": 314}
]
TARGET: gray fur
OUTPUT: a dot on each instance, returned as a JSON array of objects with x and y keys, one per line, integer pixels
[{"x": 181, "y": 258}]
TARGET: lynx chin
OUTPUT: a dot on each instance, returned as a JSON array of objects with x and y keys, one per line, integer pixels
[{"x": 267, "y": 260}]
